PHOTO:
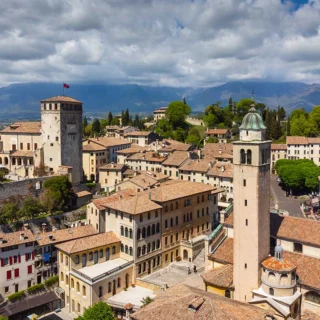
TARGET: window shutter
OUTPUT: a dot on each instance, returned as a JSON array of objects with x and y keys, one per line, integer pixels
[
  {"x": 19, "y": 258},
  {"x": 16, "y": 273},
  {"x": 2, "y": 262},
  {"x": 8, "y": 274},
  {"x": 10, "y": 259},
  {"x": 30, "y": 269}
]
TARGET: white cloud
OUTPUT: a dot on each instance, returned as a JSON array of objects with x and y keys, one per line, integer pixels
[{"x": 167, "y": 42}]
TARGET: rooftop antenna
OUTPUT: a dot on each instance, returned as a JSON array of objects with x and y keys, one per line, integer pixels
[{"x": 252, "y": 93}]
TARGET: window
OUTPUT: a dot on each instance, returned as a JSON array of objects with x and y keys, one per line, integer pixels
[
  {"x": 16, "y": 273},
  {"x": 6, "y": 289},
  {"x": 131, "y": 251},
  {"x": 77, "y": 260},
  {"x": 313, "y": 297},
  {"x": 72, "y": 283},
  {"x": 107, "y": 254},
  {"x": 113, "y": 250},
  {"x": 90, "y": 256},
  {"x": 244, "y": 182},
  {"x": 149, "y": 215},
  {"x": 130, "y": 233},
  {"x": 245, "y": 266},
  {"x": 171, "y": 222},
  {"x": 245, "y": 203},
  {"x": 271, "y": 291},
  {"x": 101, "y": 253},
  {"x": 171, "y": 238},
  {"x": 9, "y": 275},
  {"x": 166, "y": 224},
  {"x": 122, "y": 230},
  {"x": 297, "y": 247},
  {"x": 246, "y": 222},
  {"x": 84, "y": 291},
  {"x": 242, "y": 156},
  {"x": 227, "y": 294},
  {"x": 166, "y": 240},
  {"x": 78, "y": 287},
  {"x": 177, "y": 236},
  {"x": 30, "y": 269},
  {"x": 109, "y": 287},
  {"x": 119, "y": 282},
  {"x": 166, "y": 257},
  {"x": 249, "y": 155},
  {"x": 61, "y": 257}
]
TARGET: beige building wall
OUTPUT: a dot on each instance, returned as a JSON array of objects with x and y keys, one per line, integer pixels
[
  {"x": 92, "y": 161},
  {"x": 143, "y": 165},
  {"x": 251, "y": 216},
  {"x": 171, "y": 171},
  {"x": 109, "y": 179}
]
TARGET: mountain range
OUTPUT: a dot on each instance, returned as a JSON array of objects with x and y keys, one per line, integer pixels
[{"x": 22, "y": 100}]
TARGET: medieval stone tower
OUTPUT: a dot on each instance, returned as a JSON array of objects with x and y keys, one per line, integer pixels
[
  {"x": 61, "y": 129},
  {"x": 251, "y": 159}
]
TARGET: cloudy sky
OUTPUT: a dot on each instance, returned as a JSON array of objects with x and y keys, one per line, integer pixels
[{"x": 160, "y": 42}]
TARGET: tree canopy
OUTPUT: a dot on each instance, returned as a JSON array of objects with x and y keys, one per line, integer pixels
[
  {"x": 99, "y": 311},
  {"x": 177, "y": 112}
]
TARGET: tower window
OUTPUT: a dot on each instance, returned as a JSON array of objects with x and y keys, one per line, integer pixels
[
  {"x": 57, "y": 138},
  {"x": 249, "y": 156},
  {"x": 244, "y": 182},
  {"x": 246, "y": 222},
  {"x": 245, "y": 202},
  {"x": 245, "y": 266},
  {"x": 247, "y": 132},
  {"x": 271, "y": 292},
  {"x": 242, "y": 157}
]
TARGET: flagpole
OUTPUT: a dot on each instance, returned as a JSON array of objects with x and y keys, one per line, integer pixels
[{"x": 63, "y": 89}]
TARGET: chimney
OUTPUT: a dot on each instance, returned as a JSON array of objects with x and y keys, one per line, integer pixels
[
  {"x": 21, "y": 236},
  {"x": 26, "y": 226},
  {"x": 189, "y": 154},
  {"x": 43, "y": 227},
  {"x": 222, "y": 169},
  {"x": 199, "y": 154},
  {"x": 150, "y": 195}
]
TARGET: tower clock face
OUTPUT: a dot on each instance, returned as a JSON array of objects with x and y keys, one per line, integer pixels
[{"x": 71, "y": 128}]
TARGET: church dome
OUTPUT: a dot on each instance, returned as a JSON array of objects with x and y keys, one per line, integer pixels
[{"x": 252, "y": 120}]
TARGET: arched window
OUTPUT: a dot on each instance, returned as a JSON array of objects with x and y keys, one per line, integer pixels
[
  {"x": 198, "y": 213},
  {"x": 90, "y": 256},
  {"x": 122, "y": 230},
  {"x": 271, "y": 277},
  {"x": 207, "y": 211},
  {"x": 67, "y": 279},
  {"x": 143, "y": 232},
  {"x": 171, "y": 222},
  {"x": 249, "y": 156},
  {"x": 78, "y": 287},
  {"x": 242, "y": 156},
  {"x": 109, "y": 287},
  {"x": 158, "y": 227},
  {"x": 113, "y": 250},
  {"x": 126, "y": 249},
  {"x": 77, "y": 259},
  {"x": 72, "y": 283},
  {"x": 227, "y": 294},
  {"x": 158, "y": 244},
  {"x": 153, "y": 229},
  {"x": 166, "y": 224},
  {"x": 101, "y": 253},
  {"x": 107, "y": 254},
  {"x": 271, "y": 291},
  {"x": 119, "y": 282},
  {"x": 131, "y": 251},
  {"x": 171, "y": 206},
  {"x": 84, "y": 291},
  {"x": 100, "y": 292},
  {"x": 122, "y": 247},
  {"x": 84, "y": 260},
  {"x": 61, "y": 276},
  {"x": 148, "y": 231},
  {"x": 177, "y": 205},
  {"x": 127, "y": 280},
  {"x": 143, "y": 250},
  {"x": 202, "y": 211},
  {"x": 177, "y": 220},
  {"x": 126, "y": 232},
  {"x": 148, "y": 247},
  {"x": 139, "y": 252},
  {"x": 313, "y": 297},
  {"x": 95, "y": 257},
  {"x": 153, "y": 245},
  {"x": 130, "y": 233},
  {"x": 284, "y": 280},
  {"x": 138, "y": 234}
]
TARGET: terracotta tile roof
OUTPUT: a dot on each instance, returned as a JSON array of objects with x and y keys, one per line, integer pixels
[
  {"x": 176, "y": 158},
  {"x": 213, "y": 151},
  {"x": 229, "y": 220},
  {"x": 14, "y": 238},
  {"x": 83, "y": 194},
  {"x": 138, "y": 133},
  {"x": 216, "y": 131},
  {"x": 308, "y": 268},
  {"x": 272, "y": 263},
  {"x": 160, "y": 110},
  {"x": 22, "y": 153},
  {"x": 88, "y": 243},
  {"x": 200, "y": 165},
  {"x": 144, "y": 181},
  {"x": 170, "y": 144},
  {"x": 134, "y": 205},
  {"x": 146, "y": 156},
  {"x": 296, "y": 140},
  {"x": 314, "y": 140},
  {"x": 220, "y": 277},
  {"x": 109, "y": 141},
  {"x": 131, "y": 150},
  {"x": 64, "y": 235},
  {"x": 176, "y": 189},
  {"x": 224, "y": 253},
  {"x": 23, "y": 127},
  {"x": 101, "y": 203},
  {"x": 155, "y": 175},
  {"x": 295, "y": 229},
  {"x": 129, "y": 172},
  {"x": 308, "y": 315},
  {"x": 61, "y": 99},
  {"x": 181, "y": 302},
  {"x": 92, "y": 147},
  {"x": 221, "y": 169},
  {"x": 113, "y": 167},
  {"x": 276, "y": 146}
]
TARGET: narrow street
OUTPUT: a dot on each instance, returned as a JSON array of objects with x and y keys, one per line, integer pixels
[{"x": 285, "y": 203}]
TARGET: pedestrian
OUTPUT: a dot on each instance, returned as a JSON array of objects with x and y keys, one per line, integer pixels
[
  {"x": 195, "y": 269},
  {"x": 189, "y": 271}
]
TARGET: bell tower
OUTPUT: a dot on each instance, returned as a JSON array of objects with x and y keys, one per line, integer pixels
[{"x": 251, "y": 162}]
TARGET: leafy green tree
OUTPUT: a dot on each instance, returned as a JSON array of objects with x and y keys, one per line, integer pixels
[
  {"x": 164, "y": 129},
  {"x": 30, "y": 207},
  {"x": 315, "y": 116},
  {"x": 212, "y": 140},
  {"x": 85, "y": 121},
  {"x": 180, "y": 134},
  {"x": 9, "y": 212},
  {"x": 99, "y": 311},
  {"x": 193, "y": 137},
  {"x": 210, "y": 120},
  {"x": 243, "y": 107},
  {"x": 115, "y": 122},
  {"x": 96, "y": 128},
  {"x": 177, "y": 112},
  {"x": 57, "y": 192},
  {"x": 110, "y": 117},
  {"x": 288, "y": 127},
  {"x": 3, "y": 318},
  {"x": 103, "y": 123}
]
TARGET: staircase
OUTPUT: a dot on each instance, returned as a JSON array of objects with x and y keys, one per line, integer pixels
[{"x": 199, "y": 260}]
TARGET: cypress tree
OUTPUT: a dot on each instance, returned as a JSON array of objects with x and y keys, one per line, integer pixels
[
  {"x": 230, "y": 104},
  {"x": 110, "y": 118}
]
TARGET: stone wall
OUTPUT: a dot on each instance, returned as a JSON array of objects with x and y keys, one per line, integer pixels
[
  {"x": 195, "y": 121},
  {"x": 25, "y": 188}
]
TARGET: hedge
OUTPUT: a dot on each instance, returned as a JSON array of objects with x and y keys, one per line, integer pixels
[
  {"x": 35, "y": 288},
  {"x": 16, "y": 296},
  {"x": 51, "y": 281}
]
